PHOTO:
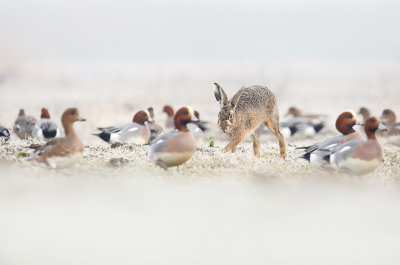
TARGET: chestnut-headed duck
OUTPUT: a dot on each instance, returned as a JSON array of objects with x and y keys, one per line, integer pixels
[
  {"x": 155, "y": 129},
  {"x": 170, "y": 123},
  {"x": 61, "y": 152},
  {"x": 176, "y": 147},
  {"x": 132, "y": 132},
  {"x": 359, "y": 157},
  {"x": 4, "y": 133},
  {"x": 195, "y": 129},
  {"x": 393, "y": 129},
  {"x": 344, "y": 124},
  {"x": 24, "y": 124},
  {"x": 45, "y": 129}
]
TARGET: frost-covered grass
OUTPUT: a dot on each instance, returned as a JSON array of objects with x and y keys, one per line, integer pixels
[{"x": 208, "y": 163}]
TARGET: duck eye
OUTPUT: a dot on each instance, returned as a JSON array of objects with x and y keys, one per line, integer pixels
[{"x": 185, "y": 113}]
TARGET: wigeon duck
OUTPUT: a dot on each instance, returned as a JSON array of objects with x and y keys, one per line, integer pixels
[
  {"x": 365, "y": 113},
  {"x": 297, "y": 112},
  {"x": 393, "y": 129},
  {"x": 24, "y": 124},
  {"x": 195, "y": 129},
  {"x": 155, "y": 129},
  {"x": 133, "y": 132},
  {"x": 176, "y": 147},
  {"x": 359, "y": 157},
  {"x": 170, "y": 123},
  {"x": 202, "y": 124},
  {"x": 303, "y": 126},
  {"x": 344, "y": 124},
  {"x": 62, "y": 152},
  {"x": 45, "y": 129},
  {"x": 4, "y": 133}
]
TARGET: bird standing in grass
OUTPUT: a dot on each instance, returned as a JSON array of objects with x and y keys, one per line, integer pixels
[
  {"x": 359, "y": 157},
  {"x": 176, "y": 147},
  {"x": 155, "y": 129},
  {"x": 61, "y": 152},
  {"x": 170, "y": 119},
  {"x": 4, "y": 133},
  {"x": 24, "y": 124},
  {"x": 344, "y": 124},
  {"x": 195, "y": 128},
  {"x": 132, "y": 132},
  {"x": 45, "y": 129}
]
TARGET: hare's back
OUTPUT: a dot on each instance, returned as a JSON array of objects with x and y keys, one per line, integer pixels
[{"x": 256, "y": 97}]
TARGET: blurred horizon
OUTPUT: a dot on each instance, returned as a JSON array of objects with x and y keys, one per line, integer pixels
[
  {"x": 126, "y": 31},
  {"x": 118, "y": 53}
]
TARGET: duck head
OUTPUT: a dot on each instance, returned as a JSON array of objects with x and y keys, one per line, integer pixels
[
  {"x": 142, "y": 116},
  {"x": 169, "y": 110},
  {"x": 45, "y": 114},
  {"x": 371, "y": 125},
  {"x": 346, "y": 121},
  {"x": 184, "y": 116},
  {"x": 388, "y": 117}
]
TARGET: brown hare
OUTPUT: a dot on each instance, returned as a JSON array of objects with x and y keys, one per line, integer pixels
[{"x": 241, "y": 115}]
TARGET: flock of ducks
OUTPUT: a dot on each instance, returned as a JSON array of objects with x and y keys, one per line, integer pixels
[{"x": 352, "y": 152}]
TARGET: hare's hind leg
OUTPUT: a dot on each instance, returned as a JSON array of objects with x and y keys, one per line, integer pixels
[
  {"x": 256, "y": 144},
  {"x": 273, "y": 126}
]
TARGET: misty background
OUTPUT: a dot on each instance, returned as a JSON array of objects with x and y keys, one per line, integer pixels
[{"x": 139, "y": 53}]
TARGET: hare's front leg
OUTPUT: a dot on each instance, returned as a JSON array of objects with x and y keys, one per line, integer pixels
[
  {"x": 256, "y": 144},
  {"x": 232, "y": 145}
]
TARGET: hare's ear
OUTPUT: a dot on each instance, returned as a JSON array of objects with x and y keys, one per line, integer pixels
[
  {"x": 220, "y": 95},
  {"x": 236, "y": 97}
]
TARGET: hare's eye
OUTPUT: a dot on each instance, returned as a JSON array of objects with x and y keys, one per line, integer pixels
[{"x": 231, "y": 116}]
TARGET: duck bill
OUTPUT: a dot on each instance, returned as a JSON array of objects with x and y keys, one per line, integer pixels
[
  {"x": 193, "y": 118},
  {"x": 360, "y": 123},
  {"x": 80, "y": 119},
  {"x": 382, "y": 127},
  {"x": 150, "y": 120}
]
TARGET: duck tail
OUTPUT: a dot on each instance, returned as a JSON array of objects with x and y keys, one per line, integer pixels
[
  {"x": 293, "y": 130},
  {"x": 327, "y": 158},
  {"x": 202, "y": 126},
  {"x": 305, "y": 156},
  {"x": 103, "y": 135},
  {"x": 303, "y": 147},
  {"x": 318, "y": 127}
]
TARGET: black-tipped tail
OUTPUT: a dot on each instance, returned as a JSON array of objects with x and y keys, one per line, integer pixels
[
  {"x": 293, "y": 130},
  {"x": 202, "y": 126},
  {"x": 327, "y": 158},
  {"x": 104, "y": 136},
  {"x": 303, "y": 147},
  {"x": 318, "y": 127},
  {"x": 305, "y": 156}
]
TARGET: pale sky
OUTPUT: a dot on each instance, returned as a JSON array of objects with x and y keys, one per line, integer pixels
[{"x": 168, "y": 30}]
